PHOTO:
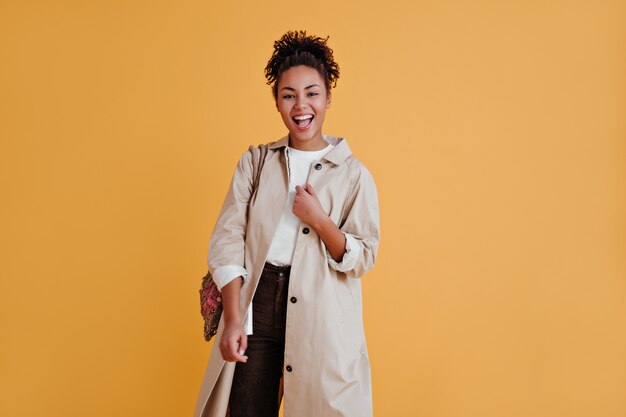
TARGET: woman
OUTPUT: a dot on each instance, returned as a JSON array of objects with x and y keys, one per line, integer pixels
[{"x": 288, "y": 260}]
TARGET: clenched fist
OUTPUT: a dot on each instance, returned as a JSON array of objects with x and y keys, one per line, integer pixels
[{"x": 306, "y": 205}]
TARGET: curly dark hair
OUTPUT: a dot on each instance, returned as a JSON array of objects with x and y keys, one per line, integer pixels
[{"x": 297, "y": 48}]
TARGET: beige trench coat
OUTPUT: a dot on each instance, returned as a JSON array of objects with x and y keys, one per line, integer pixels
[{"x": 325, "y": 342}]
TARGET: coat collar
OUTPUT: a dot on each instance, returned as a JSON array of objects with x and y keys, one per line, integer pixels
[{"x": 337, "y": 155}]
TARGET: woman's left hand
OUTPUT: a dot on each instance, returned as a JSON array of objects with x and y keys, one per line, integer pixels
[
  {"x": 308, "y": 208},
  {"x": 306, "y": 205}
]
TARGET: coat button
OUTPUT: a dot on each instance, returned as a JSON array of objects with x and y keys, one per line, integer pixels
[
  {"x": 294, "y": 300},
  {"x": 289, "y": 368},
  {"x": 305, "y": 230},
  {"x": 318, "y": 166}
]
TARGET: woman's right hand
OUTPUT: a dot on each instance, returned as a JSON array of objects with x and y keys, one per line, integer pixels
[
  {"x": 234, "y": 339},
  {"x": 234, "y": 342}
]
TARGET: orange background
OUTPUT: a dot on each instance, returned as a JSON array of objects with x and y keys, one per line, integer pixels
[{"x": 495, "y": 132}]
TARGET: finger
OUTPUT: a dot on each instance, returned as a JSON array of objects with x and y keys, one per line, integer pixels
[
  {"x": 299, "y": 189},
  {"x": 233, "y": 348},
  {"x": 309, "y": 188},
  {"x": 297, "y": 209},
  {"x": 233, "y": 351},
  {"x": 225, "y": 349},
  {"x": 243, "y": 344}
]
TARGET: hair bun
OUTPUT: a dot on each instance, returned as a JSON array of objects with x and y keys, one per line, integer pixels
[{"x": 292, "y": 49}]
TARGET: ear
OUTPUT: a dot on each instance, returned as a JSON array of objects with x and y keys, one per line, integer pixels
[{"x": 328, "y": 100}]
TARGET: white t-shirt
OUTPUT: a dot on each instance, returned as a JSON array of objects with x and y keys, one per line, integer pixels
[{"x": 284, "y": 240}]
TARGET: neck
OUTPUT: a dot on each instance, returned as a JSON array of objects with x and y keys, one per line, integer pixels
[{"x": 316, "y": 144}]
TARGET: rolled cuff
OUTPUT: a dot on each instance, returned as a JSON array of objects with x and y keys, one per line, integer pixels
[
  {"x": 225, "y": 274},
  {"x": 350, "y": 257}
]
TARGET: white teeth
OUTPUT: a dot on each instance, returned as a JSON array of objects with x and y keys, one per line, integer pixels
[{"x": 304, "y": 117}]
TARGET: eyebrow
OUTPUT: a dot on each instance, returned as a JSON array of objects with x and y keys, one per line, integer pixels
[{"x": 306, "y": 88}]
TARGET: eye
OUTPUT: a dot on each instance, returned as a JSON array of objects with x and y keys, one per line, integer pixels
[
  {"x": 288, "y": 96},
  {"x": 313, "y": 93}
]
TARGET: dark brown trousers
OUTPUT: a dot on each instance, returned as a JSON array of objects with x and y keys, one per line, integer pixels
[{"x": 256, "y": 390}]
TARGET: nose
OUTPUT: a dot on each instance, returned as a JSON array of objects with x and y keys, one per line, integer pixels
[{"x": 301, "y": 102}]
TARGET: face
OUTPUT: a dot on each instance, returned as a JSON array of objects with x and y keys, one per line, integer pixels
[{"x": 302, "y": 101}]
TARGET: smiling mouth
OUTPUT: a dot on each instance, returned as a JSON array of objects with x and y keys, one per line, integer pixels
[{"x": 303, "y": 121}]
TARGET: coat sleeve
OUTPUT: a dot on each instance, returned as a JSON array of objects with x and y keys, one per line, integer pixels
[
  {"x": 361, "y": 226},
  {"x": 227, "y": 243}
]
